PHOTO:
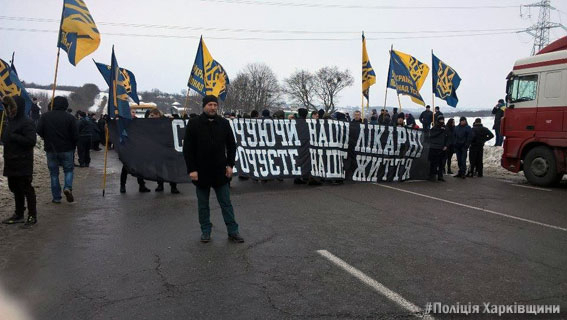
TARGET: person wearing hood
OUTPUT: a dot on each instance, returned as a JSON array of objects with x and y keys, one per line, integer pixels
[
  {"x": 19, "y": 138},
  {"x": 463, "y": 139},
  {"x": 210, "y": 150},
  {"x": 480, "y": 136},
  {"x": 59, "y": 131},
  {"x": 438, "y": 142}
]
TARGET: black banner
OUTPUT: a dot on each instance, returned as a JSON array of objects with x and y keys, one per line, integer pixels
[{"x": 269, "y": 149}]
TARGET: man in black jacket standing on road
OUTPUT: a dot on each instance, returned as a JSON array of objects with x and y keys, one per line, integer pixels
[
  {"x": 480, "y": 135},
  {"x": 210, "y": 151},
  {"x": 438, "y": 142},
  {"x": 60, "y": 134},
  {"x": 19, "y": 138}
]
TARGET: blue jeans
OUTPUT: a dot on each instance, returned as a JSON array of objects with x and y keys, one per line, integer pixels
[
  {"x": 54, "y": 161},
  {"x": 223, "y": 197},
  {"x": 462, "y": 159}
]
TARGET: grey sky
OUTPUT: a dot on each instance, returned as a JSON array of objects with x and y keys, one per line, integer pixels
[{"x": 164, "y": 63}]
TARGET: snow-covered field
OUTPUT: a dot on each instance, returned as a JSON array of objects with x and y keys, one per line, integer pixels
[
  {"x": 48, "y": 92},
  {"x": 96, "y": 108}
]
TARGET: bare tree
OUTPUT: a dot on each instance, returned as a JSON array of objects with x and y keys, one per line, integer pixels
[
  {"x": 300, "y": 86},
  {"x": 254, "y": 88},
  {"x": 329, "y": 82}
]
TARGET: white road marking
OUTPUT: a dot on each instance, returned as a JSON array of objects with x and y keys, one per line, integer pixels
[
  {"x": 531, "y": 187},
  {"x": 476, "y": 208},
  {"x": 380, "y": 288}
]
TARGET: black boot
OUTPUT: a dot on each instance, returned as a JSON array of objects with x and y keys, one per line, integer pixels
[
  {"x": 15, "y": 218},
  {"x": 143, "y": 189},
  {"x": 122, "y": 188}
]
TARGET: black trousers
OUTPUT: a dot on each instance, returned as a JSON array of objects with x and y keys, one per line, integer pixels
[
  {"x": 23, "y": 189},
  {"x": 84, "y": 150},
  {"x": 436, "y": 157},
  {"x": 449, "y": 156},
  {"x": 124, "y": 177},
  {"x": 476, "y": 154}
]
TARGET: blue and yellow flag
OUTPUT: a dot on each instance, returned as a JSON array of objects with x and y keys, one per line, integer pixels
[
  {"x": 400, "y": 78},
  {"x": 78, "y": 34},
  {"x": 129, "y": 82},
  {"x": 417, "y": 70},
  {"x": 10, "y": 85},
  {"x": 118, "y": 105},
  {"x": 207, "y": 75},
  {"x": 368, "y": 74},
  {"x": 445, "y": 82}
]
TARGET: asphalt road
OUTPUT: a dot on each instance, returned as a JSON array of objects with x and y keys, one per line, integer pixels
[{"x": 138, "y": 256}]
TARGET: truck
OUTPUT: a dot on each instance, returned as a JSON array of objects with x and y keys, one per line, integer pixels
[{"x": 534, "y": 124}]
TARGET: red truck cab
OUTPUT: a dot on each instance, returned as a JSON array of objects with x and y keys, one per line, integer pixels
[{"x": 535, "y": 121}]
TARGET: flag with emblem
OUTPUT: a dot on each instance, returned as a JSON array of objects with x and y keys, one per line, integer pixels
[
  {"x": 399, "y": 78},
  {"x": 129, "y": 82},
  {"x": 445, "y": 81},
  {"x": 10, "y": 85},
  {"x": 417, "y": 70},
  {"x": 78, "y": 33},
  {"x": 368, "y": 74},
  {"x": 208, "y": 77},
  {"x": 118, "y": 105}
]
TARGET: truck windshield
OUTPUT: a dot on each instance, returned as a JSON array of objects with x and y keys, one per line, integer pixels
[{"x": 523, "y": 88}]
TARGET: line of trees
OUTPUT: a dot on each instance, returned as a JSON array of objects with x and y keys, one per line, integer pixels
[{"x": 256, "y": 87}]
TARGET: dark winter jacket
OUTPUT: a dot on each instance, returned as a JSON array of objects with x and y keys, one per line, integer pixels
[
  {"x": 34, "y": 112},
  {"x": 463, "y": 135},
  {"x": 426, "y": 118},
  {"x": 58, "y": 128},
  {"x": 481, "y": 134},
  {"x": 450, "y": 136},
  {"x": 209, "y": 147},
  {"x": 437, "y": 115},
  {"x": 19, "y": 138},
  {"x": 498, "y": 112},
  {"x": 438, "y": 138},
  {"x": 85, "y": 127}
]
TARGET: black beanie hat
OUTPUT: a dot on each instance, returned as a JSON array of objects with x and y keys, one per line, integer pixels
[
  {"x": 209, "y": 98},
  {"x": 463, "y": 119},
  {"x": 302, "y": 112},
  {"x": 60, "y": 103}
]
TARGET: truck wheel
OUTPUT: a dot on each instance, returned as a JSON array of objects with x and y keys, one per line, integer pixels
[{"x": 540, "y": 167}]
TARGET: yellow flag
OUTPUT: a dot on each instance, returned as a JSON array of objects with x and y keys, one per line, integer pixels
[
  {"x": 78, "y": 34},
  {"x": 417, "y": 69},
  {"x": 368, "y": 74}
]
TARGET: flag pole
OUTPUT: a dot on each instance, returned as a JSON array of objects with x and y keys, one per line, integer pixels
[
  {"x": 400, "y": 103},
  {"x": 2, "y": 122},
  {"x": 105, "y": 159},
  {"x": 433, "y": 85},
  {"x": 362, "y": 105},
  {"x": 55, "y": 79}
]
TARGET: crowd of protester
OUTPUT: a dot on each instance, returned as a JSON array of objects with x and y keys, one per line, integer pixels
[{"x": 64, "y": 134}]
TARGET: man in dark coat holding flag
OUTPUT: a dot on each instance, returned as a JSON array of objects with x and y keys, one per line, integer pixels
[
  {"x": 210, "y": 151},
  {"x": 19, "y": 138}
]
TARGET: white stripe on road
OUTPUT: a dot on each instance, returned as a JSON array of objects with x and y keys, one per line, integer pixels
[
  {"x": 531, "y": 187},
  {"x": 380, "y": 288},
  {"x": 476, "y": 208}
]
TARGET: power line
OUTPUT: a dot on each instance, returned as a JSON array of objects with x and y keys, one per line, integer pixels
[
  {"x": 540, "y": 30},
  {"x": 165, "y": 36},
  {"x": 345, "y": 6},
  {"x": 275, "y": 31}
]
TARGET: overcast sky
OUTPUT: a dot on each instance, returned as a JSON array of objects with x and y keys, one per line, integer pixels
[{"x": 164, "y": 63}]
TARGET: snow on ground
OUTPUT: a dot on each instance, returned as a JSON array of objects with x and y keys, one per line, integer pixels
[
  {"x": 96, "y": 108},
  {"x": 48, "y": 92}
]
